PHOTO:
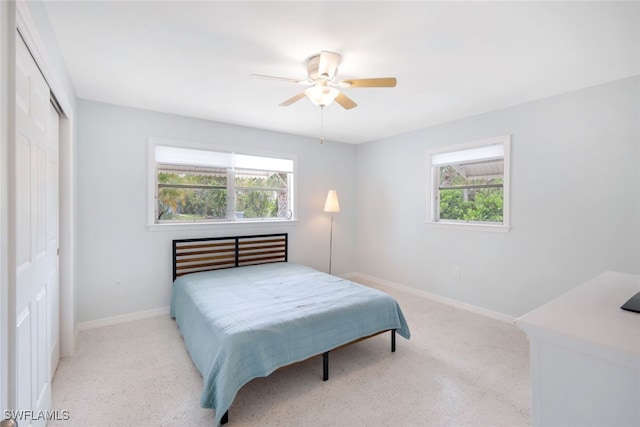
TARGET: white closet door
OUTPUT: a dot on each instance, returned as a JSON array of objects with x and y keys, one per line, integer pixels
[{"x": 35, "y": 257}]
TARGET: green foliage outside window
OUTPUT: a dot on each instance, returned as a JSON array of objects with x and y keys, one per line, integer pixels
[
  {"x": 197, "y": 196},
  {"x": 469, "y": 204},
  {"x": 261, "y": 195},
  {"x": 190, "y": 204}
]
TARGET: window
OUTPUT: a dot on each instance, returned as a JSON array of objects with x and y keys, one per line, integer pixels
[
  {"x": 470, "y": 183},
  {"x": 198, "y": 185}
]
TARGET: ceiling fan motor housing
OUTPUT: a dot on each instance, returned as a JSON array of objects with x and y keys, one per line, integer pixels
[{"x": 312, "y": 67}]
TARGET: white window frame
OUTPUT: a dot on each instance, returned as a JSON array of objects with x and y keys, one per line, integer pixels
[
  {"x": 432, "y": 186},
  {"x": 152, "y": 178}
]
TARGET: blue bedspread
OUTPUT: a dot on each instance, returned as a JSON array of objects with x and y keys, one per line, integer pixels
[{"x": 243, "y": 323}]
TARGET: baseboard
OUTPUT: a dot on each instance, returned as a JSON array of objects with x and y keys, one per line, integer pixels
[
  {"x": 115, "y": 320},
  {"x": 435, "y": 297}
]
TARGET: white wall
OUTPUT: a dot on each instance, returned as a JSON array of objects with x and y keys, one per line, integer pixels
[
  {"x": 575, "y": 203},
  {"x": 122, "y": 266}
]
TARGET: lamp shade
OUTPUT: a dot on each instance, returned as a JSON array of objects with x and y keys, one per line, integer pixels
[
  {"x": 322, "y": 95},
  {"x": 332, "y": 205}
]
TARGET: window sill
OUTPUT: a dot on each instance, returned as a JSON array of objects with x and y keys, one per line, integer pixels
[
  {"x": 470, "y": 226},
  {"x": 218, "y": 225}
]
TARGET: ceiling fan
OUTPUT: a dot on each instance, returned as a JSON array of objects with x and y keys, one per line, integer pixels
[{"x": 321, "y": 70}]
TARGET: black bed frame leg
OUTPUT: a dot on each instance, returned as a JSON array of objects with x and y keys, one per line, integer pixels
[
  {"x": 393, "y": 340},
  {"x": 225, "y": 418},
  {"x": 325, "y": 366}
]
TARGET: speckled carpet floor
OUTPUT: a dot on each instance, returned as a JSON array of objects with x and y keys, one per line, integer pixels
[{"x": 458, "y": 369}]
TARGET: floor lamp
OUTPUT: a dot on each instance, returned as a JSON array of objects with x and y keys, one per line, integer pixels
[{"x": 332, "y": 206}]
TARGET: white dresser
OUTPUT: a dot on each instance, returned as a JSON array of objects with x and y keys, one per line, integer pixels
[{"x": 585, "y": 355}]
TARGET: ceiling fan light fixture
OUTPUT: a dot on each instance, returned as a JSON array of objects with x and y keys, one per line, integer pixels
[
  {"x": 321, "y": 71},
  {"x": 322, "y": 95}
]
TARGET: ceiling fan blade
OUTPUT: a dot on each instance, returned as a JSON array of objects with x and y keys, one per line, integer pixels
[
  {"x": 378, "y": 82},
  {"x": 345, "y": 102},
  {"x": 293, "y": 99},
  {"x": 282, "y": 79},
  {"x": 328, "y": 64}
]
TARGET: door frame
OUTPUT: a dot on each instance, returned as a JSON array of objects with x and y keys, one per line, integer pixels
[
  {"x": 17, "y": 18},
  {"x": 7, "y": 98}
]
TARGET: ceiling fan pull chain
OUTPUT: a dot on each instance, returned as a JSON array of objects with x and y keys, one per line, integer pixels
[{"x": 322, "y": 124}]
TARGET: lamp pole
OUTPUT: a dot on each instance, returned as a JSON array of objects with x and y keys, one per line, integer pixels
[
  {"x": 332, "y": 206},
  {"x": 330, "y": 244}
]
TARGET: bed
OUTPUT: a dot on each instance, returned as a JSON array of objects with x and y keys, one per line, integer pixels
[{"x": 245, "y": 311}]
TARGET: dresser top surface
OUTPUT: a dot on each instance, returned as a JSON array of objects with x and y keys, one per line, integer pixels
[{"x": 591, "y": 313}]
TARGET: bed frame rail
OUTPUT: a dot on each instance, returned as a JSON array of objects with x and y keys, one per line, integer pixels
[
  {"x": 195, "y": 255},
  {"x": 325, "y": 362}
]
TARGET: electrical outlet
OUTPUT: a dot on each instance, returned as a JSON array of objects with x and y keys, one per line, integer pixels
[{"x": 455, "y": 271}]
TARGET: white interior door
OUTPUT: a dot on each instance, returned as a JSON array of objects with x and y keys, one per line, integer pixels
[{"x": 35, "y": 254}]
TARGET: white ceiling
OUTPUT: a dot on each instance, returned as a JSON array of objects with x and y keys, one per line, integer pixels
[{"x": 451, "y": 59}]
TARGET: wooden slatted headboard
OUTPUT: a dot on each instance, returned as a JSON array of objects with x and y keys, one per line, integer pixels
[{"x": 194, "y": 255}]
